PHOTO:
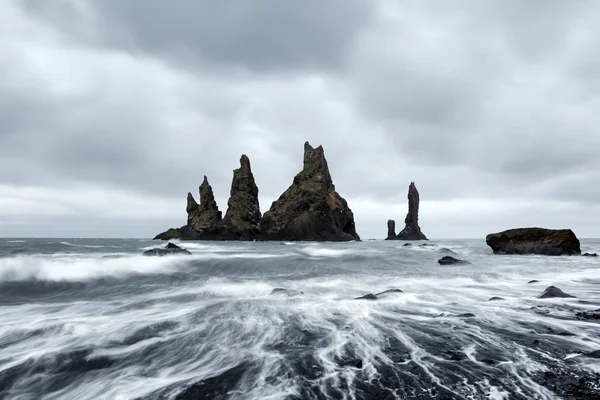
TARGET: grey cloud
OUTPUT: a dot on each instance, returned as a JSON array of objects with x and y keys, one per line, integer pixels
[{"x": 259, "y": 35}]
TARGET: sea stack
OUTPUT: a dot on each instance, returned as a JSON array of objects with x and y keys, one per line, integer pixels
[
  {"x": 243, "y": 216},
  {"x": 310, "y": 209},
  {"x": 411, "y": 231},
  {"x": 205, "y": 221},
  {"x": 551, "y": 242}
]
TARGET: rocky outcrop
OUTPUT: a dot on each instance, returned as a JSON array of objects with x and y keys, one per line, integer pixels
[
  {"x": 169, "y": 249},
  {"x": 448, "y": 260},
  {"x": 549, "y": 242},
  {"x": 242, "y": 220},
  {"x": 411, "y": 230},
  {"x": 204, "y": 217},
  {"x": 553, "y": 292},
  {"x": 310, "y": 209}
]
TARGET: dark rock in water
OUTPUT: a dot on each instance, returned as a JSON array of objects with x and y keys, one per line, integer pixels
[
  {"x": 592, "y": 354},
  {"x": 407, "y": 245},
  {"x": 466, "y": 315},
  {"x": 172, "y": 233},
  {"x": 289, "y": 292},
  {"x": 216, "y": 387},
  {"x": 369, "y": 296},
  {"x": 552, "y": 292},
  {"x": 391, "y": 230},
  {"x": 354, "y": 363},
  {"x": 549, "y": 242},
  {"x": 389, "y": 291},
  {"x": 446, "y": 251},
  {"x": 590, "y": 254},
  {"x": 169, "y": 249},
  {"x": 310, "y": 209},
  {"x": 448, "y": 260},
  {"x": 495, "y": 298},
  {"x": 411, "y": 231},
  {"x": 456, "y": 356},
  {"x": 588, "y": 315},
  {"x": 242, "y": 219},
  {"x": 425, "y": 245},
  {"x": 533, "y": 281},
  {"x": 183, "y": 233}
]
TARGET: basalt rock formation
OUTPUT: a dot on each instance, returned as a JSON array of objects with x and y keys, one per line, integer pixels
[
  {"x": 205, "y": 221},
  {"x": 169, "y": 249},
  {"x": 551, "y": 242},
  {"x": 310, "y": 209},
  {"x": 242, "y": 220},
  {"x": 411, "y": 231}
]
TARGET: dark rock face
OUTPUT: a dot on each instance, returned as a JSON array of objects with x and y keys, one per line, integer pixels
[
  {"x": 243, "y": 215},
  {"x": 310, "y": 209},
  {"x": 552, "y": 292},
  {"x": 204, "y": 217},
  {"x": 448, "y": 260},
  {"x": 549, "y": 242},
  {"x": 170, "y": 249},
  {"x": 411, "y": 231}
]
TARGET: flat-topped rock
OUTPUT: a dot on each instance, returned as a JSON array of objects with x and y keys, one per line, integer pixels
[{"x": 552, "y": 242}]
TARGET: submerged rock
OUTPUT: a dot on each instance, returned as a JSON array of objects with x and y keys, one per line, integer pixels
[
  {"x": 411, "y": 230},
  {"x": 588, "y": 315},
  {"x": 407, "y": 245},
  {"x": 353, "y": 363},
  {"x": 448, "y": 260},
  {"x": 389, "y": 291},
  {"x": 288, "y": 292},
  {"x": 552, "y": 292},
  {"x": 242, "y": 220},
  {"x": 592, "y": 354},
  {"x": 310, "y": 209},
  {"x": 169, "y": 249},
  {"x": 590, "y": 254},
  {"x": 552, "y": 242},
  {"x": 369, "y": 296},
  {"x": 495, "y": 298},
  {"x": 533, "y": 281}
]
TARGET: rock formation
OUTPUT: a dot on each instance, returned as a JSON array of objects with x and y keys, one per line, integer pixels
[
  {"x": 243, "y": 215},
  {"x": 553, "y": 292},
  {"x": 169, "y": 249},
  {"x": 205, "y": 221},
  {"x": 411, "y": 231},
  {"x": 310, "y": 209},
  {"x": 204, "y": 217},
  {"x": 448, "y": 260},
  {"x": 551, "y": 242}
]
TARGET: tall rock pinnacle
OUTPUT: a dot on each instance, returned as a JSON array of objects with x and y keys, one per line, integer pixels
[
  {"x": 243, "y": 214},
  {"x": 206, "y": 215},
  {"x": 310, "y": 209},
  {"x": 411, "y": 231}
]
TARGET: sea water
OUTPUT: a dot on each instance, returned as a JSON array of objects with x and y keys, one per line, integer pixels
[{"x": 94, "y": 319}]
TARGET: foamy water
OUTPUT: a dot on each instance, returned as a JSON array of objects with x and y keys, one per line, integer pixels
[{"x": 93, "y": 319}]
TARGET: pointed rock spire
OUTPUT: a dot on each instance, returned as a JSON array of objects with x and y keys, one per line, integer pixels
[
  {"x": 412, "y": 231},
  {"x": 310, "y": 209},
  {"x": 243, "y": 213},
  {"x": 206, "y": 215}
]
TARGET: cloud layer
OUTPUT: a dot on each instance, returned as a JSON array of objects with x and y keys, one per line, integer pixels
[{"x": 114, "y": 110}]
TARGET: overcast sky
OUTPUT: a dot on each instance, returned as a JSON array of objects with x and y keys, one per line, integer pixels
[{"x": 112, "y": 110}]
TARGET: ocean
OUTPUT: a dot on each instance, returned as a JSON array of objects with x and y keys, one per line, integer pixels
[{"x": 94, "y": 319}]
